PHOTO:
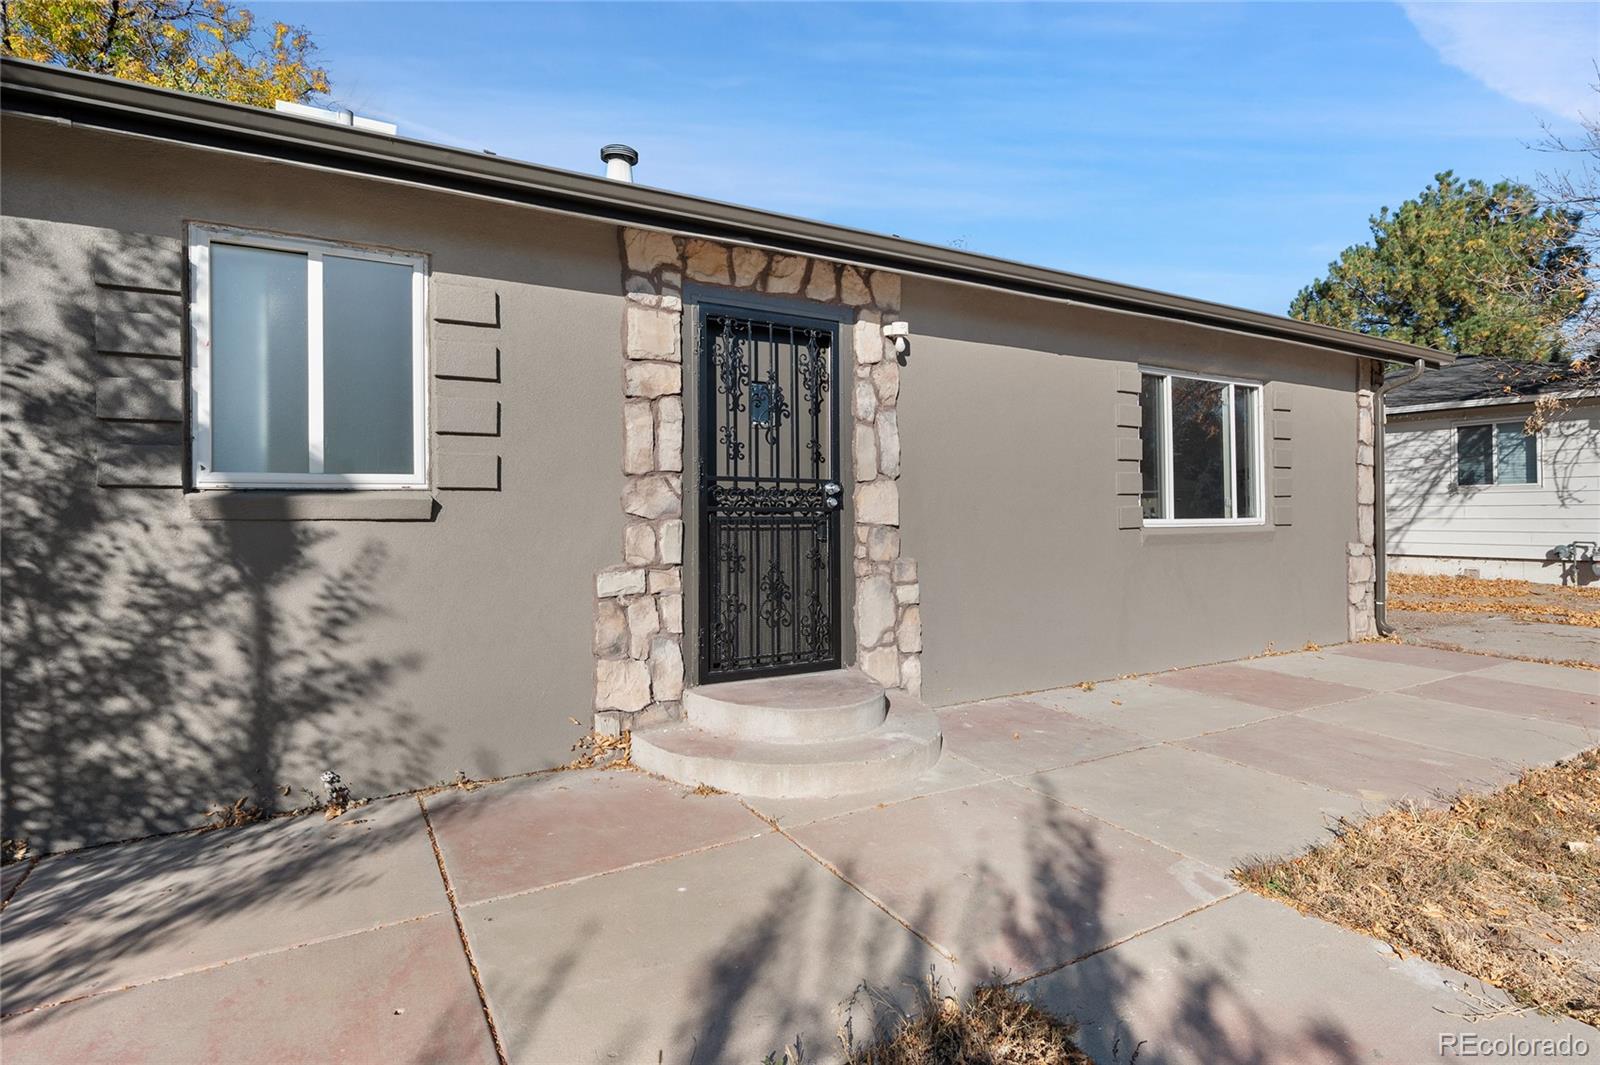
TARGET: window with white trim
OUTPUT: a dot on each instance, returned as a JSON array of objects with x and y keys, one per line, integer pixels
[
  {"x": 307, "y": 363},
  {"x": 1201, "y": 458},
  {"x": 1496, "y": 453}
]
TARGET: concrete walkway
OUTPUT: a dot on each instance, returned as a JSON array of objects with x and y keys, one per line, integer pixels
[{"x": 1081, "y": 839}]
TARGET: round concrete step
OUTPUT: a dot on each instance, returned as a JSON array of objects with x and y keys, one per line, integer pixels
[
  {"x": 802, "y": 708},
  {"x": 901, "y": 748}
]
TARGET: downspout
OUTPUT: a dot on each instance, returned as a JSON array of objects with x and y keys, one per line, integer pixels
[{"x": 1380, "y": 516}]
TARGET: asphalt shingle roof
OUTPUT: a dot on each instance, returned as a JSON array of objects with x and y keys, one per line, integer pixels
[{"x": 1472, "y": 378}]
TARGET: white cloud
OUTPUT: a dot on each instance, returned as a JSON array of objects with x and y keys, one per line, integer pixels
[{"x": 1537, "y": 54}]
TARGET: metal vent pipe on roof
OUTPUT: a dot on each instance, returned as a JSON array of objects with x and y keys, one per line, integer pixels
[
  {"x": 619, "y": 160},
  {"x": 336, "y": 116}
]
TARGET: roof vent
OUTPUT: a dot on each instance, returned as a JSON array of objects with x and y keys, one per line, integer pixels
[
  {"x": 336, "y": 118},
  {"x": 619, "y": 160}
]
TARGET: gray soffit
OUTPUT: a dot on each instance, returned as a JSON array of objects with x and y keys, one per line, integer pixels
[{"x": 99, "y": 102}]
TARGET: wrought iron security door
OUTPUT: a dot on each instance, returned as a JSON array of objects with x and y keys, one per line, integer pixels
[{"x": 769, "y": 495}]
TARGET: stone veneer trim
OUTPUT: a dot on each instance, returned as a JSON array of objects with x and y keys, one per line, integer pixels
[
  {"x": 1361, "y": 565},
  {"x": 639, "y": 630}
]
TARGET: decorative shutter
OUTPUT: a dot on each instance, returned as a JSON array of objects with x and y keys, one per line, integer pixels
[
  {"x": 138, "y": 338},
  {"x": 466, "y": 347},
  {"x": 1126, "y": 419},
  {"x": 1281, "y": 455}
]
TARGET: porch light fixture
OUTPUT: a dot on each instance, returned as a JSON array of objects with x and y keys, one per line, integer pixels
[{"x": 900, "y": 333}]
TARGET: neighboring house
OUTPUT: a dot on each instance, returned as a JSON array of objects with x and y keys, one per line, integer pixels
[
  {"x": 1492, "y": 469},
  {"x": 325, "y": 448}
]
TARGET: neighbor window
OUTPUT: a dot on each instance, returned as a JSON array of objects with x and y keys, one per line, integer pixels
[
  {"x": 1496, "y": 454},
  {"x": 1201, "y": 449},
  {"x": 307, "y": 363}
]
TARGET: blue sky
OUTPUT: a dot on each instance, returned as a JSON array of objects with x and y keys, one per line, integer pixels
[{"x": 1221, "y": 151}]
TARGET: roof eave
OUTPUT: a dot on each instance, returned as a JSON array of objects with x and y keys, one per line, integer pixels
[
  {"x": 111, "y": 104},
  {"x": 1578, "y": 395}
]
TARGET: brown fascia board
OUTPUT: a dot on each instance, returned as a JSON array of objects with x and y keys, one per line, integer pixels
[{"x": 100, "y": 102}]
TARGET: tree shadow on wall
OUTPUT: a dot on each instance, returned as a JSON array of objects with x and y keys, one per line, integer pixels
[{"x": 153, "y": 665}]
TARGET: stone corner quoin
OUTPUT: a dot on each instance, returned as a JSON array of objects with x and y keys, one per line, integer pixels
[
  {"x": 638, "y": 625},
  {"x": 1361, "y": 565}
]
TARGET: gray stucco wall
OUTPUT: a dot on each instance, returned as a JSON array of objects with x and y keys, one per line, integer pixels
[
  {"x": 156, "y": 664},
  {"x": 1010, "y": 506}
]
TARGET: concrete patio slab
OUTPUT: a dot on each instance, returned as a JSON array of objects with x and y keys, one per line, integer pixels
[
  {"x": 114, "y": 916},
  {"x": 1155, "y": 711},
  {"x": 12, "y": 875},
  {"x": 721, "y": 956},
  {"x": 950, "y": 772},
  {"x": 1012, "y": 736},
  {"x": 1511, "y": 697},
  {"x": 1412, "y": 655},
  {"x": 1251, "y": 981},
  {"x": 398, "y": 994},
  {"x": 1277, "y": 691},
  {"x": 1499, "y": 635},
  {"x": 1354, "y": 672},
  {"x": 1501, "y": 738},
  {"x": 1200, "y": 805},
  {"x": 1378, "y": 769},
  {"x": 1007, "y": 879},
  {"x": 545, "y": 830},
  {"x": 618, "y": 917},
  {"x": 1564, "y": 678}
]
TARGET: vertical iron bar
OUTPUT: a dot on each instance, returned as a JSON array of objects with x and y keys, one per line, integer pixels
[
  {"x": 755, "y": 591},
  {"x": 703, "y": 526},
  {"x": 756, "y": 374},
  {"x": 835, "y": 576},
  {"x": 794, "y": 398}
]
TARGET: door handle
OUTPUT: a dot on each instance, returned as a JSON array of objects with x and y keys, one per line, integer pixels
[{"x": 830, "y": 494}]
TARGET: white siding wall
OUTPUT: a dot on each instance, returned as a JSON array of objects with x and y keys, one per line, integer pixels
[{"x": 1429, "y": 515}]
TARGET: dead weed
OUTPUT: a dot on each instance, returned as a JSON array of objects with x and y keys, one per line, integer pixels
[
  {"x": 1504, "y": 887},
  {"x": 1271, "y": 650},
  {"x": 996, "y": 1026},
  {"x": 598, "y": 750},
  {"x": 240, "y": 813}
]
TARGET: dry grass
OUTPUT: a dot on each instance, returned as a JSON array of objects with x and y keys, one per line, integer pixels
[
  {"x": 1504, "y": 887},
  {"x": 994, "y": 1027},
  {"x": 1523, "y": 600}
]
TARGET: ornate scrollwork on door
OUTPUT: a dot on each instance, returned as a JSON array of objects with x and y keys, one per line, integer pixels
[{"x": 768, "y": 499}]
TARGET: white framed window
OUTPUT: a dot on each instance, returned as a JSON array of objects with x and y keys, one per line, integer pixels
[
  {"x": 1496, "y": 453},
  {"x": 307, "y": 363},
  {"x": 1202, "y": 449}
]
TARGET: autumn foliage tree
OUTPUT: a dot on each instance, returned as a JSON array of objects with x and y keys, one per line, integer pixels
[
  {"x": 1465, "y": 267},
  {"x": 203, "y": 46}
]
